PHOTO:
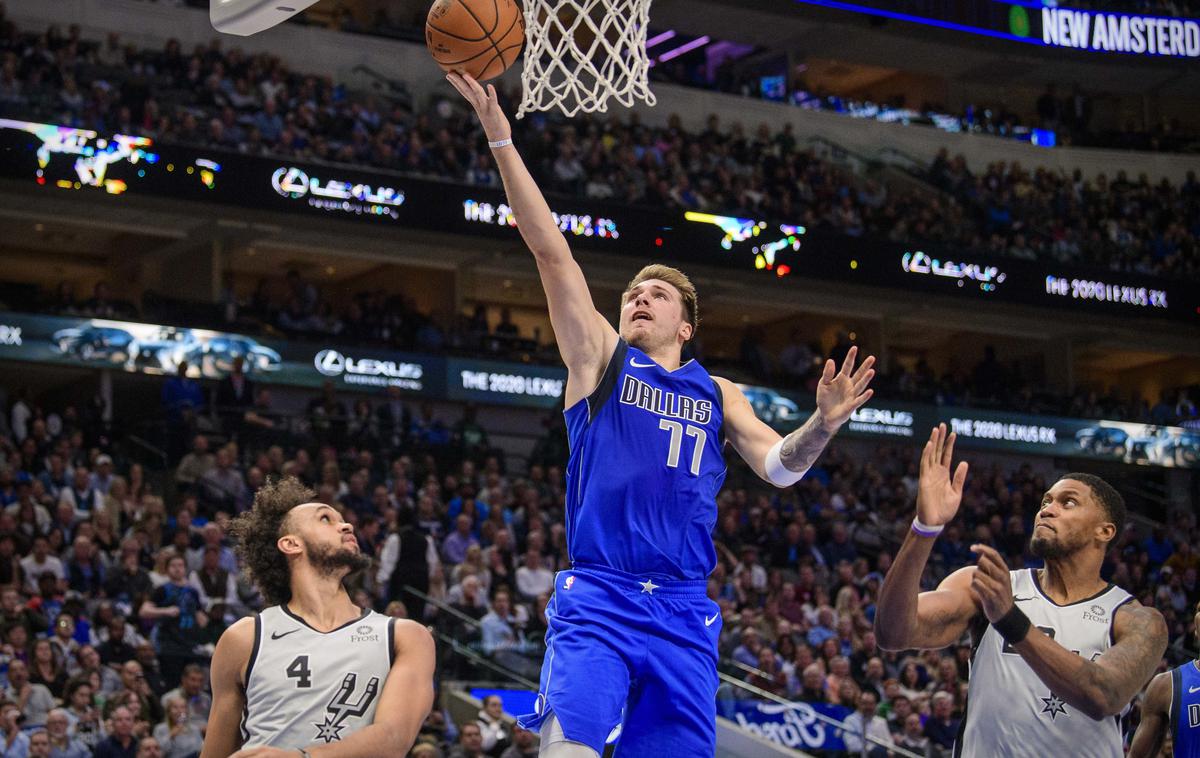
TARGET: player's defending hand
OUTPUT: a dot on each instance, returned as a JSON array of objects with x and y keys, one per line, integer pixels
[
  {"x": 840, "y": 393},
  {"x": 486, "y": 105},
  {"x": 938, "y": 493},
  {"x": 991, "y": 583}
]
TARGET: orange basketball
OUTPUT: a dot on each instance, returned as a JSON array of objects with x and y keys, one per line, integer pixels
[{"x": 477, "y": 37}]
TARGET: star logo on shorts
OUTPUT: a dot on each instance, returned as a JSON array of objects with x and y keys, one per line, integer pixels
[
  {"x": 330, "y": 730},
  {"x": 649, "y": 586},
  {"x": 1054, "y": 705}
]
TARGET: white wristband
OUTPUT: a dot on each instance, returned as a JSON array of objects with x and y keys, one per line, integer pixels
[
  {"x": 777, "y": 473},
  {"x": 924, "y": 530},
  {"x": 500, "y": 143}
]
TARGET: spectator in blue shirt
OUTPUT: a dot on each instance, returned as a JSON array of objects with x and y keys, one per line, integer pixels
[
  {"x": 941, "y": 727},
  {"x": 823, "y": 629},
  {"x": 181, "y": 399},
  {"x": 1158, "y": 547},
  {"x": 499, "y": 626},
  {"x": 120, "y": 743},
  {"x": 454, "y": 548},
  {"x": 13, "y": 743}
]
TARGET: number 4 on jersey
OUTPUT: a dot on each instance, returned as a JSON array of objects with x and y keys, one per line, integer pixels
[
  {"x": 300, "y": 671},
  {"x": 677, "y": 432}
]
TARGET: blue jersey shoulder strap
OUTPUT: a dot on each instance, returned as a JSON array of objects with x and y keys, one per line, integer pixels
[
  {"x": 608, "y": 380},
  {"x": 1176, "y": 698}
]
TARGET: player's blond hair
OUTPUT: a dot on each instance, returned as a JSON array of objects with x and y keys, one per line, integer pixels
[{"x": 678, "y": 280}]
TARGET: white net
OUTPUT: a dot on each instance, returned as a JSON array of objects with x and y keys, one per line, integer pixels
[{"x": 581, "y": 53}]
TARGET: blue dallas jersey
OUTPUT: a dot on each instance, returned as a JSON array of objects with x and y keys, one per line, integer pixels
[
  {"x": 646, "y": 465},
  {"x": 1185, "y": 710}
]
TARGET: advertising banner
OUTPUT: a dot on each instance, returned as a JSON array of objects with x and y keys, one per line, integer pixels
[
  {"x": 505, "y": 383},
  {"x": 1116, "y": 441},
  {"x": 794, "y": 725},
  {"x": 1043, "y": 23},
  {"x": 64, "y": 159},
  {"x": 157, "y": 349}
]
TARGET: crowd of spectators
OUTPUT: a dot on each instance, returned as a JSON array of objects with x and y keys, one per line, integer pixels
[
  {"x": 1040, "y": 215},
  {"x": 992, "y": 382},
  {"x": 113, "y": 590},
  {"x": 1068, "y": 116},
  {"x": 254, "y": 104}
]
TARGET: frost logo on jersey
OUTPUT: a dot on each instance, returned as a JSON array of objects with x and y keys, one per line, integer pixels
[
  {"x": 341, "y": 708},
  {"x": 1097, "y": 613},
  {"x": 363, "y": 634}
]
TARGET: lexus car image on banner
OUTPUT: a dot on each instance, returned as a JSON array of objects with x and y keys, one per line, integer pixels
[{"x": 157, "y": 349}]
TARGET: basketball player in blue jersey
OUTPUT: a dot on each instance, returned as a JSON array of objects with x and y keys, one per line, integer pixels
[
  {"x": 631, "y": 650},
  {"x": 1171, "y": 703},
  {"x": 313, "y": 675}
]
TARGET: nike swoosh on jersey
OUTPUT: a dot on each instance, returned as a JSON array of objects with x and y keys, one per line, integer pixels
[
  {"x": 633, "y": 362},
  {"x": 1020, "y": 599},
  {"x": 1193, "y": 690},
  {"x": 277, "y": 635},
  {"x": 709, "y": 621}
]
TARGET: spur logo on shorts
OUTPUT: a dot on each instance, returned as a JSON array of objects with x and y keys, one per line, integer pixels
[{"x": 567, "y": 584}]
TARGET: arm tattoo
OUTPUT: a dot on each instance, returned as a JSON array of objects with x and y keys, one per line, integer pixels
[
  {"x": 802, "y": 447},
  {"x": 1128, "y": 665}
]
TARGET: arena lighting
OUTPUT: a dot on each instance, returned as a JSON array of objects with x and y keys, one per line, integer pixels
[
  {"x": 838, "y": 5},
  {"x": 684, "y": 48},
  {"x": 246, "y": 17},
  {"x": 658, "y": 39}
]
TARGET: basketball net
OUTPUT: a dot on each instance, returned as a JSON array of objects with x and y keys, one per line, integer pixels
[{"x": 580, "y": 53}]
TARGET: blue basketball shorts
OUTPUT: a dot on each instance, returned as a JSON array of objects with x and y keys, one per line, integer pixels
[{"x": 630, "y": 660}]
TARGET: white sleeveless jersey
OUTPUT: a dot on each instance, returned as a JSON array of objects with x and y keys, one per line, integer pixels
[
  {"x": 1010, "y": 712},
  {"x": 305, "y": 687}
]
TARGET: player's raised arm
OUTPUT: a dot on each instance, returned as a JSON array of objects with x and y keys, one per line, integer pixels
[
  {"x": 784, "y": 460},
  {"x": 1156, "y": 718},
  {"x": 223, "y": 735},
  {"x": 585, "y": 339},
  {"x": 905, "y": 617}
]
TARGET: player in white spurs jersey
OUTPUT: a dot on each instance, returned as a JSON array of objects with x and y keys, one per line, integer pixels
[
  {"x": 1058, "y": 652},
  {"x": 313, "y": 675}
]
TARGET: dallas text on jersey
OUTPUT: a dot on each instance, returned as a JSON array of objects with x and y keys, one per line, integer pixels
[{"x": 665, "y": 403}]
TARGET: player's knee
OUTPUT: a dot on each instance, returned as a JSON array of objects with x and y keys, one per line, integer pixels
[
  {"x": 556, "y": 745},
  {"x": 566, "y": 749}
]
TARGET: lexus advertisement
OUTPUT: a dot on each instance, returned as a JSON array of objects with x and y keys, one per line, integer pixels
[
  {"x": 158, "y": 349},
  {"x": 113, "y": 167}
]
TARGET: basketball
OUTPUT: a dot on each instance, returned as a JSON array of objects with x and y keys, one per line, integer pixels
[{"x": 477, "y": 37}]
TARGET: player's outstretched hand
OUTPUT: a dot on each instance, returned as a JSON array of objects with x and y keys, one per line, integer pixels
[
  {"x": 486, "y": 105},
  {"x": 840, "y": 393},
  {"x": 991, "y": 583},
  {"x": 938, "y": 493}
]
